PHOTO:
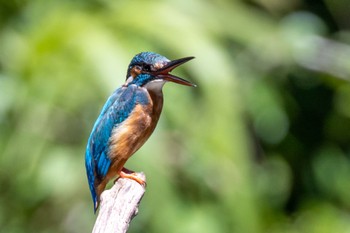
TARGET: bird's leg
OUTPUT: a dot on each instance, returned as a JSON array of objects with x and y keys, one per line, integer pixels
[{"x": 126, "y": 173}]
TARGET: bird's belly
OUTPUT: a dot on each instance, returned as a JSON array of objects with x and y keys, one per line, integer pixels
[{"x": 128, "y": 137}]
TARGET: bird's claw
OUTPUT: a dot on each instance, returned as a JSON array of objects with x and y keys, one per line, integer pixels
[{"x": 125, "y": 173}]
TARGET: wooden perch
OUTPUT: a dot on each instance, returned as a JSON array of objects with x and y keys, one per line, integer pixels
[{"x": 119, "y": 206}]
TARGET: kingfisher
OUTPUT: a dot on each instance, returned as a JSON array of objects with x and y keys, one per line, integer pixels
[{"x": 128, "y": 119}]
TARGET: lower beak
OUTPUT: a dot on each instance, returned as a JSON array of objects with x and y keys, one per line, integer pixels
[{"x": 163, "y": 72}]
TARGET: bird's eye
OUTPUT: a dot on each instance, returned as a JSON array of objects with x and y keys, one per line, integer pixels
[{"x": 147, "y": 67}]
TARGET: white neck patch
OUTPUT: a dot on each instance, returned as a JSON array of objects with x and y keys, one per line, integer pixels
[{"x": 129, "y": 80}]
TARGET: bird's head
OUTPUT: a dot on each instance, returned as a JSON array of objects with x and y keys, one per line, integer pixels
[{"x": 148, "y": 68}]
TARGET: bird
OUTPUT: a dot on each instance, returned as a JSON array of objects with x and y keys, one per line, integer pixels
[{"x": 127, "y": 120}]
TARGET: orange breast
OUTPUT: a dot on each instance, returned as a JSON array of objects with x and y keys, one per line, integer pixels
[{"x": 133, "y": 133}]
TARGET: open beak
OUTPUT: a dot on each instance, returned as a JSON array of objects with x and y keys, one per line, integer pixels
[{"x": 163, "y": 72}]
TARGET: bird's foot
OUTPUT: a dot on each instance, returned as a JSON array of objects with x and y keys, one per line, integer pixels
[{"x": 126, "y": 173}]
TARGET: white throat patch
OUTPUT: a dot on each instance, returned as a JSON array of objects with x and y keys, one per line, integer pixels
[{"x": 155, "y": 85}]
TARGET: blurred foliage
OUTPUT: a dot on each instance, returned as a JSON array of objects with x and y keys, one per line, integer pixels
[{"x": 261, "y": 145}]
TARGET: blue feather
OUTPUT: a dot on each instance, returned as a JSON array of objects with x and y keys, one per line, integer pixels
[
  {"x": 148, "y": 57},
  {"x": 117, "y": 109}
]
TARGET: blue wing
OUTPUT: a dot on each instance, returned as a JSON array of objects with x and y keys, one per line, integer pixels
[{"x": 117, "y": 108}]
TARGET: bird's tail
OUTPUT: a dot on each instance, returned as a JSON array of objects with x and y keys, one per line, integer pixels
[{"x": 91, "y": 180}]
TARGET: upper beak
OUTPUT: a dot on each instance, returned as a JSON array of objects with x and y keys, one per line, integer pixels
[{"x": 163, "y": 72}]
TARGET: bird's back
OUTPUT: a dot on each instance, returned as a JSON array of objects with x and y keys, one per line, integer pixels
[{"x": 126, "y": 121}]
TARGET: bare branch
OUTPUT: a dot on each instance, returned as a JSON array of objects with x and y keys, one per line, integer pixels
[{"x": 119, "y": 206}]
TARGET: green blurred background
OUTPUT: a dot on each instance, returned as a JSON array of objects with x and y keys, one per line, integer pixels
[{"x": 261, "y": 145}]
